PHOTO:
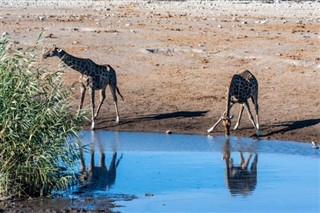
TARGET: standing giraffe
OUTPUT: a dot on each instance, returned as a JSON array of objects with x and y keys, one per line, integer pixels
[
  {"x": 94, "y": 76},
  {"x": 242, "y": 87}
]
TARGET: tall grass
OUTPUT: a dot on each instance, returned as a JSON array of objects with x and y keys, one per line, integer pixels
[{"x": 35, "y": 121}]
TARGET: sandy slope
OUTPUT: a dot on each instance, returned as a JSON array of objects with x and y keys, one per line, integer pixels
[{"x": 174, "y": 60}]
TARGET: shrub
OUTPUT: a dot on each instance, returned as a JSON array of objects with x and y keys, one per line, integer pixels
[{"x": 35, "y": 121}]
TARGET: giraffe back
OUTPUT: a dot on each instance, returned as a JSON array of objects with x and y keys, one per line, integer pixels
[
  {"x": 100, "y": 76},
  {"x": 242, "y": 87}
]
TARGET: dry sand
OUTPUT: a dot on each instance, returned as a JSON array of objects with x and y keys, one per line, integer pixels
[{"x": 174, "y": 60}]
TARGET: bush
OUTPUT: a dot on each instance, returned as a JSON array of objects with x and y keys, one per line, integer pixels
[{"x": 35, "y": 121}]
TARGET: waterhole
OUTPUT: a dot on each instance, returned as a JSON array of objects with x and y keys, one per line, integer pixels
[{"x": 149, "y": 172}]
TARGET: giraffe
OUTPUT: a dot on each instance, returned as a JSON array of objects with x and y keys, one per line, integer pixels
[
  {"x": 93, "y": 76},
  {"x": 242, "y": 87}
]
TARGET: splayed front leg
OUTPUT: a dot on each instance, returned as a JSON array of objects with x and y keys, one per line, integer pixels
[
  {"x": 220, "y": 119},
  {"x": 214, "y": 126}
]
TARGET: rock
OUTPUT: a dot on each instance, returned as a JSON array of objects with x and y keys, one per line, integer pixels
[
  {"x": 5, "y": 34},
  {"x": 168, "y": 132},
  {"x": 41, "y": 18}
]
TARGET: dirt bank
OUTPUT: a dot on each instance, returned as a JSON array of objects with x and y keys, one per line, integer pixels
[{"x": 174, "y": 60}]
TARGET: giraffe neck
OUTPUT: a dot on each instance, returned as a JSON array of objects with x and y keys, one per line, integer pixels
[
  {"x": 228, "y": 103},
  {"x": 74, "y": 62}
]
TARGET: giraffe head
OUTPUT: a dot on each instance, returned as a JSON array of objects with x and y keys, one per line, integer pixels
[
  {"x": 227, "y": 124},
  {"x": 55, "y": 51}
]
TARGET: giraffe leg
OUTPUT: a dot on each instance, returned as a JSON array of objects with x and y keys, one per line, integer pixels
[
  {"x": 82, "y": 162},
  {"x": 246, "y": 105},
  {"x": 83, "y": 93},
  {"x": 102, "y": 98},
  {"x": 214, "y": 126},
  {"x": 220, "y": 119},
  {"x": 256, "y": 106},
  {"x": 254, "y": 164},
  {"x": 241, "y": 159},
  {"x": 247, "y": 161},
  {"x": 91, "y": 165},
  {"x": 92, "y": 91},
  {"x": 239, "y": 118},
  {"x": 113, "y": 88}
]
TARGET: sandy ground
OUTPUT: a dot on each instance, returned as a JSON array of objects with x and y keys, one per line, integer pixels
[{"x": 174, "y": 60}]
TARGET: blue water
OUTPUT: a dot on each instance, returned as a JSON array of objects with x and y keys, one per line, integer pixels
[{"x": 188, "y": 173}]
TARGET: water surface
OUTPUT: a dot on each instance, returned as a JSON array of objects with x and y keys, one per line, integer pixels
[{"x": 192, "y": 173}]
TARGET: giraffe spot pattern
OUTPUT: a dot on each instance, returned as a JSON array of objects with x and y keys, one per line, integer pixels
[{"x": 242, "y": 87}]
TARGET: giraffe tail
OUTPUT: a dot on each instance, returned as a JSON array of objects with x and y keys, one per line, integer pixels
[{"x": 119, "y": 93}]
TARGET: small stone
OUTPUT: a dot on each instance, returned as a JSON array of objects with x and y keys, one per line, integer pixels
[
  {"x": 168, "y": 132},
  {"x": 5, "y": 34},
  {"x": 41, "y": 18}
]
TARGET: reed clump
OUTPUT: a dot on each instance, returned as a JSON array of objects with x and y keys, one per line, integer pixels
[{"x": 35, "y": 120}]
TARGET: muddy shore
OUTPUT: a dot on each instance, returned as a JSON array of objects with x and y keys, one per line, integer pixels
[{"x": 174, "y": 60}]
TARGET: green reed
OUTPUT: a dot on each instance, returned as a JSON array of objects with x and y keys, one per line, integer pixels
[{"x": 35, "y": 120}]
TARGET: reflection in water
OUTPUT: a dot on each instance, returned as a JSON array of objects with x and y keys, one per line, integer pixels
[
  {"x": 239, "y": 179},
  {"x": 184, "y": 173},
  {"x": 98, "y": 177}
]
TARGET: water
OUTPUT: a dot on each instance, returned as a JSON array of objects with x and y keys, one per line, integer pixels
[{"x": 190, "y": 173}]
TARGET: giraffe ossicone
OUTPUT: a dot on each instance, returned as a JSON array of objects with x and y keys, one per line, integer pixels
[{"x": 93, "y": 76}]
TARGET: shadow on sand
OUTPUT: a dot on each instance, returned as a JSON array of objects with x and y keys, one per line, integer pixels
[
  {"x": 288, "y": 126},
  {"x": 182, "y": 114},
  {"x": 161, "y": 116}
]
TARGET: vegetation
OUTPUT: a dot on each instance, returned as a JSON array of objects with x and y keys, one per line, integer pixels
[{"x": 35, "y": 121}]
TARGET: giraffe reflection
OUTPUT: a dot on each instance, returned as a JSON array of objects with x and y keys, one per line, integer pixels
[
  {"x": 98, "y": 177},
  {"x": 239, "y": 179}
]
